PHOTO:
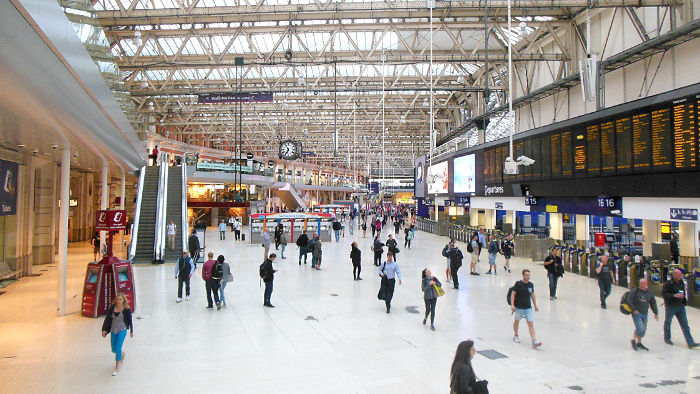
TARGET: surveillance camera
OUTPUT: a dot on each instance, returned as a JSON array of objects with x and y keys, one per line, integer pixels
[
  {"x": 525, "y": 161},
  {"x": 75, "y": 155},
  {"x": 54, "y": 147},
  {"x": 35, "y": 151}
]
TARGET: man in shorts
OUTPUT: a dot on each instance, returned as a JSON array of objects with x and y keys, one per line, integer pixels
[{"x": 522, "y": 300}]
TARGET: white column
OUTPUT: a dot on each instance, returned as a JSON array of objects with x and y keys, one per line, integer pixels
[
  {"x": 63, "y": 229},
  {"x": 473, "y": 217},
  {"x": 651, "y": 234},
  {"x": 105, "y": 195},
  {"x": 582, "y": 232},
  {"x": 556, "y": 224},
  {"x": 687, "y": 241},
  {"x": 122, "y": 205},
  {"x": 29, "y": 228}
]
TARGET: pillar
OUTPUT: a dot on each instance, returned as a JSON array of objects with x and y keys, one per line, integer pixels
[
  {"x": 490, "y": 219},
  {"x": 687, "y": 240},
  {"x": 652, "y": 233},
  {"x": 43, "y": 239},
  {"x": 63, "y": 229},
  {"x": 582, "y": 232},
  {"x": 29, "y": 213},
  {"x": 104, "y": 195},
  {"x": 122, "y": 205},
  {"x": 473, "y": 217},
  {"x": 556, "y": 226}
]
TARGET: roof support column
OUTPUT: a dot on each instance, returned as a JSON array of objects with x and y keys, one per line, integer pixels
[
  {"x": 64, "y": 196},
  {"x": 104, "y": 197}
]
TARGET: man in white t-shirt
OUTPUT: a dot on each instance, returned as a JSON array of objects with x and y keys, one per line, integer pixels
[{"x": 171, "y": 235}]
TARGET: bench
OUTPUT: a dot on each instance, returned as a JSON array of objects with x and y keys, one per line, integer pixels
[{"x": 6, "y": 272}]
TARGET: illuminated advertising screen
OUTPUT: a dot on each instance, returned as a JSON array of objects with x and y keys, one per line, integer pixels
[
  {"x": 438, "y": 178},
  {"x": 465, "y": 174}
]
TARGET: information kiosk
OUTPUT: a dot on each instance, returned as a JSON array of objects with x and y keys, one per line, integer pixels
[
  {"x": 294, "y": 224},
  {"x": 109, "y": 276}
]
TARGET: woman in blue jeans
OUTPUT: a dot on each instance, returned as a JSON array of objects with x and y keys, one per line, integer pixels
[
  {"x": 117, "y": 321},
  {"x": 227, "y": 277}
]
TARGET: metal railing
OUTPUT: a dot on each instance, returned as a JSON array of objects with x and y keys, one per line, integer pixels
[
  {"x": 137, "y": 215},
  {"x": 159, "y": 245}
]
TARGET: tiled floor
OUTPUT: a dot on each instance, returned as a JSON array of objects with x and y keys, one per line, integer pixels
[{"x": 329, "y": 334}]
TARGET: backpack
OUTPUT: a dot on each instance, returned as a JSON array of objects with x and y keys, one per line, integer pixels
[
  {"x": 264, "y": 272},
  {"x": 625, "y": 307},
  {"x": 510, "y": 294},
  {"x": 445, "y": 250},
  {"x": 470, "y": 248},
  {"x": 217, "y": 271}
]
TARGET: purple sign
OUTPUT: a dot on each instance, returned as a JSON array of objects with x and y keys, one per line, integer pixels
[
  {"x": 8, "y": 187},
  {"x": 217, "y": 98}
]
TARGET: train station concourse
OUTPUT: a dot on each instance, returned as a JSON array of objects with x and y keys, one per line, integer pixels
[{"x": 349, "y": 196}]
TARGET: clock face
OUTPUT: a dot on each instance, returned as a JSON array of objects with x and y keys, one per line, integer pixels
[{"x": 288, "y": 150}]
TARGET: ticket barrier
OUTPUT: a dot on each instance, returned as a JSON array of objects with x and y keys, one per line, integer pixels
[
  {"x": 693, "y": 288},
  {"x": 655, "y": 277},
  {"x": 567, "y": 259}
]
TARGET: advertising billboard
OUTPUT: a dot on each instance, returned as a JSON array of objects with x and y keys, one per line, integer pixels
[
  {"x": 419, "y": 182},
  {"x": 8, "y": 190},
  {"x": 438, "y": 178},
  {"x": 465, "y": 174}
]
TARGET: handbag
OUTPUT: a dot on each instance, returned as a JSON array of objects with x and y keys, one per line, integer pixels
[
  {"x": 381, "y": 295},
  {"x": 439, "y": 290},
  {"x": 481, "y": 387}
]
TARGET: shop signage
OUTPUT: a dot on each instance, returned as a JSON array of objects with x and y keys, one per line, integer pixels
[
  {"x": 684, "y": 214},
  {"x": 8, "y": 190},
  {"x": 215, "y": 98}
]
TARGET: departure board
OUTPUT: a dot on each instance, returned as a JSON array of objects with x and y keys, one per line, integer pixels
[
  {"x": 593, "y": 144},
  {"x": 537, "y": 157},
  {"x": 607, "y": 147},
  {"x": 527, "y": 151},
  {"x": 517, "y": 152},
  {"x": 546, "y": 149},
  {"x": 493, "y": 160},
  {"x": 661, "y": 141},
  {"x": 623, "y": 144},
  {"x": 580, "y": 154},
  {"x": 566, "y": 162},
  {"x": 488, "y": 168},
  {"x": 641, "y": 141},
  {"x": 684, "y": 135},
  {"x": 555, "y": 143}
]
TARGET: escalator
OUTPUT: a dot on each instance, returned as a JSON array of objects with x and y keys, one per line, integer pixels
[
  {"x": 145, "y": 223},
  {"x": 173, "y": 211}
]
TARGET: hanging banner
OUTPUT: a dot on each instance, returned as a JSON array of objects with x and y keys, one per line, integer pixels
[
  {"x": 8, "y": 191},
  {"x": 216, "y": 98}
]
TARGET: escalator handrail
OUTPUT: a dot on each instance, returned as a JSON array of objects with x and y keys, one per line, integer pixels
[
  {"x": 184, "y": 205},
  {"x": 159, "y": 244},
  {"x": 137, "y": 215}
]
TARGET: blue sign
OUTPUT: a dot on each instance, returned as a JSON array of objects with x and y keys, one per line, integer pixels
[
  {"x": 604, "y": 206},
  {"x": 462, "y": 201},
  {"x": 529, "y": 200},
  {"x": 8, "y": 188},
  {"x": 448, "y": 203},
  {"x": 499, "y": 205},
  {"x": 684, "y": 214}
]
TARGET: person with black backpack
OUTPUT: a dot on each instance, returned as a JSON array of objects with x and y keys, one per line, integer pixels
[
  {"x": 455, "y": 256},
  {"x": 378, "y": 249},
  {"x": 473, "y": 250},
  {"x": 267, "y": 274},
  {"x": 183, "y": 272},
  {"x": 303, "y": 243},
  {"x": 212, "y": 272},
  {"x": 391, "y": 246},
  {"x": 194, "y": 246},
  {"x": 555, "y": 270}
]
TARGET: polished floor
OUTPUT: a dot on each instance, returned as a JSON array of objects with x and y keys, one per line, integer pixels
[{"x": 330, "y": 334}]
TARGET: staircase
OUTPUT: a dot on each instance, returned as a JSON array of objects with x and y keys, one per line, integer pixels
[
  {"x": 288, "y": 195},
  {"x": 147, "y": 220},
  {"x": 173, "y": 211}
]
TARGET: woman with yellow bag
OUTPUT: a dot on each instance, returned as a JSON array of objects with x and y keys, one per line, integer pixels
[{"x": 432, "y": 289}]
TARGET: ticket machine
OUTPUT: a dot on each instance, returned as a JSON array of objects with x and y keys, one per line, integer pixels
[{"x": 109, "y": 276}]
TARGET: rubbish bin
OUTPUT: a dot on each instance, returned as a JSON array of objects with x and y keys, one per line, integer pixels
[{"x": 622, "y": 274}]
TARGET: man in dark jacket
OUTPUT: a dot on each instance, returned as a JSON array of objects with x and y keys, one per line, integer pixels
[
  {"x": 555, "y": 269},
  {"x": 675, "y": 301},
  {"x": 267, "y": 267},
  {"x": 193, "y": 246},
  {"x": 303, "y": 243},
  {"x": 391, "y": 246},
  {"x": 675, "y": 249},
  {"x": 317, "y": 252},
  {"x": 378, "y": 249},
  {"x": 455, "y": 255},
  {"x": 183, "y": 272},
  {"x": 356, "y": 257},
  {"x": 640, "y": 300},
  {"x": 278, "y": 234}
]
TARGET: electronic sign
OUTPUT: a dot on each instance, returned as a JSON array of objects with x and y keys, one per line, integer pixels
[
  {"x": 607, "y": 147},
  {"x": 438, "y": 178},
  {"x": 555, "y": 143},
  {"x": 546, "y": 149},
  {"x": 641, "y": 141},
  {"x": 566, "y": 163},
  {"x": 661, "y": 140},
  {"x": 537, "y": 157},
  {"x": 465, "y": 174},
  {"x": 684, "y": 135},
  {"x": 623, "y": 144},
  {"x": 593, "y": 143},
  {"x": 580, "y": 153}
]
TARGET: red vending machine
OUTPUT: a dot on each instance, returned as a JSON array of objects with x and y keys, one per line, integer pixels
[
  {"x": 100, "y": 284},
  {"x": 124, "y": 281}
]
